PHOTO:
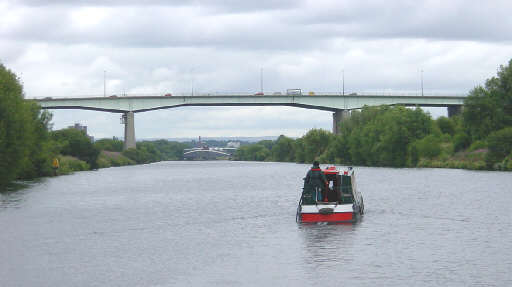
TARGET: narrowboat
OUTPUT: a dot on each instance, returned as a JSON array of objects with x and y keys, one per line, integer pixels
[{"x": 341, "y": 201}]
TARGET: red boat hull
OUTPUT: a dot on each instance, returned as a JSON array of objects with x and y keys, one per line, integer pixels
[{"x": 334, "y": 217}]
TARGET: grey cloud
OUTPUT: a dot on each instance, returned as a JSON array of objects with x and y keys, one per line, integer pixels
[
  {"x": 163, "y": 27},
  {"x": 284, "y": 27},
  {"x": 451, "y": 20},
  {"x": 233, "y": 6},
  {"x": 218, "y": 46}
]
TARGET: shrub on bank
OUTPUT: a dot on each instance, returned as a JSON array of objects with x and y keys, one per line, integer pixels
[
  {"x": 76, "y": 143},
  {"x": 458, "y": 164},
  {"x": 109, "y": 159},
  {"x": 69, "y": 164},
  {"x": 480, "y": 144},
  {"x": 461, "y": 141},
  {"x": 429, "y": 146},
  {"x": 113, "y": 144},
  {"x": 500, "y": 146},
  {"x": 446, "y": 125}
]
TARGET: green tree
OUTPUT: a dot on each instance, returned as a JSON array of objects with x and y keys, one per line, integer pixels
[
  {"x": 500, "y": 145},
  {"x": 253, "y": 152},
  {"x": 461, "y": 141},
  {"x": 283, "y": 149},
  {"x": 489, "y": 108},
  {"x": 380, "y": 135},
  {"x": 446, "y": 125},
  {"x": 113, "y": 144},
  {"x": 170, "y": 150},
  {"x": 14, "y": 131},
  {"x": 76, "y": 143},
  {"x": 146, "y": 152},
  {"x": 41, "y": 150},
  {"x": 300, "y": 154},
  {"x": 25, "y": 147},
  {"x": 316, "y": 142},
  {"x": 267, "y": 144},
  {"x": 337, "y": 151},
  {"x": 429, "y": 146}
]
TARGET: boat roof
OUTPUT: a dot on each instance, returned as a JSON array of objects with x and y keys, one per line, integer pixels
[{"x": 331, "y": 170}]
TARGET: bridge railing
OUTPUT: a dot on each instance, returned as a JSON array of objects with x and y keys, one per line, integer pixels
[{"x": 358, "y": 93}]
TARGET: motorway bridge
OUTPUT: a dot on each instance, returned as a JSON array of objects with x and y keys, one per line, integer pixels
[{"x": 339, "y": 105}]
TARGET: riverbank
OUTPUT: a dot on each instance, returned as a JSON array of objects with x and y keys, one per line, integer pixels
[
  {"x": 106, "y": 159},
  {"x": 436, "y": 150},
  {"x": 108, "y": 152},
  {"x": 467, "y": 160}
]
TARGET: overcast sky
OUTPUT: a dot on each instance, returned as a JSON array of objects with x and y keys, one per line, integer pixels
[{"x": 62, "y": 48}]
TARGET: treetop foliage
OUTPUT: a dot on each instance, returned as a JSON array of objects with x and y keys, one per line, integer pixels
[
  {"x": 24, "y": 148},
  {"x": 488, "y": 109}
]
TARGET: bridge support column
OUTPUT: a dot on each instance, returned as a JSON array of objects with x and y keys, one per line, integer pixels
[
  {"x": 454, "y": 110},
  {"x": 337, "y": 117},
  {"x": 129, "y": 130}
]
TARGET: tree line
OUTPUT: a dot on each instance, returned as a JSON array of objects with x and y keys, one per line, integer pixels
[
  {"x": 395, "y": 136},
  {"x": 28, "y": 145},
  {"x": 479, "y": 138}
]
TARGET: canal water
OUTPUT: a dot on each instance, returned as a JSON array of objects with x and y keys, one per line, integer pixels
[{"x": 233, "y": 224}]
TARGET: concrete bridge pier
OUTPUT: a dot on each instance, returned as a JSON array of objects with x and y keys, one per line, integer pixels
[
  {"x": 337, "y": 117},
  {"x": 129, "y": 130},
  {"x": 454, "y": 110}
]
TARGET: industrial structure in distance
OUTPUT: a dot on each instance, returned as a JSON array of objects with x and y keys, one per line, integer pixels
[{"x": 203, "y": 152}]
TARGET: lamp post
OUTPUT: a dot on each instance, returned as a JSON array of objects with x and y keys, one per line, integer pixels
[
  {"x": 261, "y": 80},
  {"x": 192, "y": 79},
  {"x": 343, "y": 81},
  {"x": 422, "y": 83},
  {"x": 104, "y": 83}
]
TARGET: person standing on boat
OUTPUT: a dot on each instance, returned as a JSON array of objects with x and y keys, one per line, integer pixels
[{"x": 317, "y": 178}]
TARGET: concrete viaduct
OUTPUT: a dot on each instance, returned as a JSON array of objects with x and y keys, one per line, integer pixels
[{"x": 339, "y": 105}]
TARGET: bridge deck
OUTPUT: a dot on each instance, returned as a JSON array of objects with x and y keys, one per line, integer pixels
[{"x": 319, "y": 102}]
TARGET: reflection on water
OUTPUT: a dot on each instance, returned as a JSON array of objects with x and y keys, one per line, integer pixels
[
  {"x": 14, "y": 194},
  {"x": 327, "y": 243},
  {"x": 233, "y": 223}
]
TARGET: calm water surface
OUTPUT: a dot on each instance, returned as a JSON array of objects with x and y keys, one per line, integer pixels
[{"x": 233, "y": 224}]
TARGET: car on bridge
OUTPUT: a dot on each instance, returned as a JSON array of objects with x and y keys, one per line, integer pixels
[
  {"x": 168, "y": 95},
  {"x": 294, "y": 92}
]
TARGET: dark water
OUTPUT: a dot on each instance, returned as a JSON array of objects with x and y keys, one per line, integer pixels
[{"x": 233, "y": 224}]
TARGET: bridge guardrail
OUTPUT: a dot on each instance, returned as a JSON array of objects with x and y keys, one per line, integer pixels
[{"x": 363, "y": 93}]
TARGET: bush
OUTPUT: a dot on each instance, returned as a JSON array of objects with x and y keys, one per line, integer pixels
[
  {"x": 253, "y": 152},
  {"x": 77, "y": 144},
  {"x": 500, "y": 145},
  {"x": 429, "y": 146},
  {"x": 488, "y": 109},
  {"x": 69, "y": 164},
  {"x": 413, "y": 156},
  {"x": 109, "y": 144},
  {"x": 446, "y": 125},
  {"x": 283, "y": 149},
  {"x": 108, "y": 159},
  {"x": 316, "y": 142},
  {"x": 480, "y": 144},
  {"x": 507, "y": 163},
  {"x": 461, "y": 141}
]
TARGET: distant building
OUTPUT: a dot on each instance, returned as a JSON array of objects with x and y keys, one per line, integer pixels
[
  {"x": 79, "y": 127},
  {"x": 233, "y": 144}
]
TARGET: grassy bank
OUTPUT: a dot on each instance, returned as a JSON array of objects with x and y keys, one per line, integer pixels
[
  {"x": 78, "y": 153},
  {"x": 113, "y": 158}
]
